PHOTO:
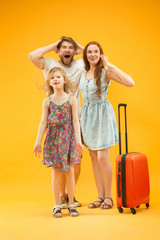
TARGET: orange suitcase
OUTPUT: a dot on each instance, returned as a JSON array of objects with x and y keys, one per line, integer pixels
[{"x": 132, "y": 175}]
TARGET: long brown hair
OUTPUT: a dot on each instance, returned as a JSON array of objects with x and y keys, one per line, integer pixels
[
  {"x": 67, "y": 85},
  {"x": 98, "y": 68}
]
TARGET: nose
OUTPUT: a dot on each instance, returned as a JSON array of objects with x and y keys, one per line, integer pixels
[{"x": 68, "y": 49}]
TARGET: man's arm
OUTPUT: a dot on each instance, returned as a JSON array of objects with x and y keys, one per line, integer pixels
[
  {"x": 36, "y": 56},
  {"x": 80, "y": 49}
]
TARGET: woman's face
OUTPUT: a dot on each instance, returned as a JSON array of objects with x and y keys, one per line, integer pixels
[
  {"x": 93, "y": 54},
  {"x": 57, "y": 80}
]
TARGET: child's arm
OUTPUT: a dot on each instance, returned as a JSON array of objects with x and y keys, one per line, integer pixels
[
  {"x": 76, "y": 125},
  {"x": 37, "y": 148}
]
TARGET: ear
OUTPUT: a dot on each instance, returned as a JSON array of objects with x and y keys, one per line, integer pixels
[{"x": 58, "y": 51}]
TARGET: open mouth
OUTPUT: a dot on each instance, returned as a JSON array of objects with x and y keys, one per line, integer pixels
[{"x": 66, "y": 56}]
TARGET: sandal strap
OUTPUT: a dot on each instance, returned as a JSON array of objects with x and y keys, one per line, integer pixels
[
  {"x": 106, "y": 204},
  {"x": 71, "y": 206},
  {"x": 56, "y": 206},
  {"x": 109, "y": 198},
  {"x": 57, "y": 211},
  {"x": 101, "y": 199},
  {"x": 72, "y": 210}
]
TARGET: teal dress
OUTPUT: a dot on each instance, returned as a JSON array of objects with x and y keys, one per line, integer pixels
[{"x": 98, "y": 122}]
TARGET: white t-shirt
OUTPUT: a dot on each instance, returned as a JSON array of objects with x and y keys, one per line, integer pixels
[{"x": 73, "y": 73}]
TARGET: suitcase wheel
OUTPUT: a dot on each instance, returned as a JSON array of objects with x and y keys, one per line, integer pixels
[
  {"x": 120, "y": 209},
  {"x": 147, "y": 205},
  {"x": 133, "y": 210}
]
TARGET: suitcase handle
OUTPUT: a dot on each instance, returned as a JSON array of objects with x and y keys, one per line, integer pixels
[{"x": 122, "y": 105}]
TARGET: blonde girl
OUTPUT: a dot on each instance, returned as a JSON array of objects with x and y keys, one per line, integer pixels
[{"x": 62, "y": 146}]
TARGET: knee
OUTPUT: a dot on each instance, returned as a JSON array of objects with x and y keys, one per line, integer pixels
[
  {"x": 102, "y": 161},
  {"x": 56, "y": 174}
]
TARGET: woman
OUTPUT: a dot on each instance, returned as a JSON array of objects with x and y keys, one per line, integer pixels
[{"x": 98, "y": 123}]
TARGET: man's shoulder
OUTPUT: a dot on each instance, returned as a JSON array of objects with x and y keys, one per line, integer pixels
[
  {"x": 78, "y": 63},
  {"x": 50, "y": 61}
]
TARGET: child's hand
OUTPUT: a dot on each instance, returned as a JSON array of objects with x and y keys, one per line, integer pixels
[
  {"x": 37, "y": 149},
  {"x": 79, "y": 149}
]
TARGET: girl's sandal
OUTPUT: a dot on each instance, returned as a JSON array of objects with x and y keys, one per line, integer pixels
[
  {"x": 105, "y": 205},
  {"x": 94, "y": 204},
  {"x": 57, "y": 213},
  {"x": 72, "y": 211}
]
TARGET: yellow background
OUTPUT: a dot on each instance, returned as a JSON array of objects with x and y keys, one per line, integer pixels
[{"x": 129, "y": 34}]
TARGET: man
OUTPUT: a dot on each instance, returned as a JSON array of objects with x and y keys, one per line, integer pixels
[{"x": 66, "y": 48}]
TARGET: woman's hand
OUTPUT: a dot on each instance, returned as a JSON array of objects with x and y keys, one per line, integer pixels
[
  {"x": 37, "y": 150},
  {"x": 105, "y": 62},
  {"x": 104, "y": 59},
  {"x": 79, "y": 149}
]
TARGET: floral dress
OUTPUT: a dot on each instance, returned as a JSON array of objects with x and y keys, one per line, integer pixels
[{"x": 59, "y": 145}]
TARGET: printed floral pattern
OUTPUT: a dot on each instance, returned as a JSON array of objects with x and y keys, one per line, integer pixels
[{"x": 59, "y": 145}]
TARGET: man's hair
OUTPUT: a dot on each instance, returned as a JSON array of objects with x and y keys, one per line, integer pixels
[{"x": 67, "y": 39}]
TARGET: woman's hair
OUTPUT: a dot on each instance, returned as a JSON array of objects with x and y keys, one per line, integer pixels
[
  {"x": 67, "y": 85},
  {"x": 99, "y": 66}
]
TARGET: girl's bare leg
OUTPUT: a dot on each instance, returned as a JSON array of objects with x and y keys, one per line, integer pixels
[
  {"x": 71, "y": 187},
  {"x": 56, "y": 187}
]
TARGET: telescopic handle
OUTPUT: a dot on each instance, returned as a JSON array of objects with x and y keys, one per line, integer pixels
[{"x": 122, "y": 105}]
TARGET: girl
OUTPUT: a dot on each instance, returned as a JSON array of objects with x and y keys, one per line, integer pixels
[
  {"x": 60, "y": 149},
  {"x": 98, "y": 123}
]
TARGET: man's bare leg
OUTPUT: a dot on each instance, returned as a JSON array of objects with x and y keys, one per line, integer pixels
[{"x": 63, "y": 190}]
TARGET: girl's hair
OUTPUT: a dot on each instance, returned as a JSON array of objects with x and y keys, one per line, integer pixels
[
  {"x": 99, "y": 66},
  {"x": 67, "y": 85}
]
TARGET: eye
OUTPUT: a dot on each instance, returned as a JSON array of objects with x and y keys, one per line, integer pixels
[
  {"x": 89, "y": 51},
  {"x": 63, "y": 47}
]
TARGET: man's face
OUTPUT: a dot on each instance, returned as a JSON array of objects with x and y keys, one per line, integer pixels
[{"x": 66, "y": 53}]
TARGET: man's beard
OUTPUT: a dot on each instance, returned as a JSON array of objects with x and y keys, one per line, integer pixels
[{"x": 64, "y": 61}]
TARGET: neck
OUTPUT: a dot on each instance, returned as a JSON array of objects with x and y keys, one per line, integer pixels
[
  {"x": 59, "y": 92},
  {"x": 65, "y": 65},
  {"x": 92, "y": 68}
]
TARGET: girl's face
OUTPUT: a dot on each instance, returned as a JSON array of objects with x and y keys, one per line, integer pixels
[
  {"x": 57, "y": 80},
  {"x": 93, "y": 54}
]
